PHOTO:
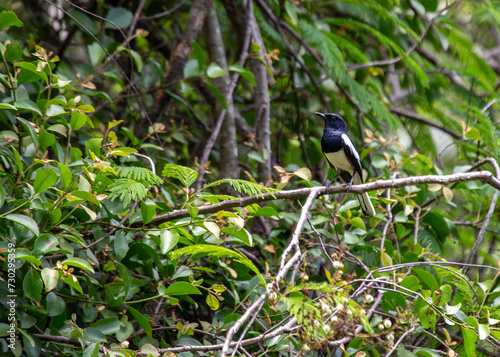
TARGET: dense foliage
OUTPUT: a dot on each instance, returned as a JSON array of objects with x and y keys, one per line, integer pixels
[{"x": 162, "y": 178}]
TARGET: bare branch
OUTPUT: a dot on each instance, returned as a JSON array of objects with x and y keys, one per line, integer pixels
[{"x": 484, "y": 176}]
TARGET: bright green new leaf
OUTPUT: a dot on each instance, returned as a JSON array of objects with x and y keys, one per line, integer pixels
[
  {"x": 9, "y": 19},
  {"x": 212, "y": 302}
]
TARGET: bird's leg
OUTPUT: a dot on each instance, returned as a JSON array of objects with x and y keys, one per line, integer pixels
[
  {"x": 349, "y": 185},
  {"x": 328, "y": 183}
]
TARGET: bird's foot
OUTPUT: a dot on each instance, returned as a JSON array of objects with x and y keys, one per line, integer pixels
[{"x": 348, "y": 185}]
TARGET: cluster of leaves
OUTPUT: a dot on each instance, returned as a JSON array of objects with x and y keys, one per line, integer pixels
[{"x": 97, "y": 268}]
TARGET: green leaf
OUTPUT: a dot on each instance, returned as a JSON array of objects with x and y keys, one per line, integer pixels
[
  {"x": 28, "y": 74},
  {"x": 484, "y": 331},
  {"x": 45, "y": 243},
  {"x": 426, "y": 279},
  {"x": 125, "y": 276},
  {"x": 45, "y": 178},
  {"x": 46, "y": 139},
  {"x": 137, "y": 60},
  {"x": 13, "y": 51},
  {"x": 33, "y": 285},
  {"x": 94, "y": 335},
  {"x": 64, "y": 175},
  {"x": 91, "y": 351},
  {"x": 241, "y": 236},
  {"x": 411, "y": 282},
  {"x": 7, "y": 106},
  {"x": 212, "y": 302},
  {"x": 193, "y": 210},
  {"x": 200, "y": 55},
  {"x": 55, "y": 305},
  {"x": 214, "y": 70},
  {"x": 438, "y": 224},
  {"x": 9, "y": 19},
  {"x": 121, "y": 245},
  {"x": 245, "y": 73},
  {"x": 182, "y": 288},
  {"x": 358, "y": 223},
  {"x": 386, "y": 259},
  {"x": 77, "y": 120},
  {"x": 148, "y": 212},
  {"x": 108, "y": 325},
  {"x": 30, "y": 129},
  {"x": 184, "y": 174},
  {"x": 290, "y": 11},
  {"x": 50, "y": 278},
  {"x": 2, "y": 196},
  {"x": 96, "y": 53},
  {"x": 470, "y": 339},
  {"x": 26, "y": 221},
  {"x": 119, "y": 17},
  {"x": 220, "y": 98},
  {"x": 93, "y": 145},
  {"x": 168, "y": 240},
  {"x": 149, "y": 350},
  {"x": 216, "y": 252},
  {"x": 79, "y": 263},
  {"x": 24, "y": 254},
  {"x": 143, "y": 322},
  {"x": 55, "y": 110}
]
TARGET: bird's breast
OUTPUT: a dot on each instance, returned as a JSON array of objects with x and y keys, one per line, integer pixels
[{"x": 339, "y": 160}]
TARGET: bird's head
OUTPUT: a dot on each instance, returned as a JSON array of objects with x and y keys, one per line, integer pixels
[{"x": 332, "y": 120}]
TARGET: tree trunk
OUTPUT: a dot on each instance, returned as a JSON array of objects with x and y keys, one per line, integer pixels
[{"x": 228, "y": 165}]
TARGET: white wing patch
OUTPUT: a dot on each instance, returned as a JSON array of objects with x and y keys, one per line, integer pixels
[{"x": 349, "y": 143}]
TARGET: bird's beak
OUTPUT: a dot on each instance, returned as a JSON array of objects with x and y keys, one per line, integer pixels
[{"x": 320, "y": 115}]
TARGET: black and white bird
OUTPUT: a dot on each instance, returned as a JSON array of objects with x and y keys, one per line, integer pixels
[{"x": 341, "y": 154}]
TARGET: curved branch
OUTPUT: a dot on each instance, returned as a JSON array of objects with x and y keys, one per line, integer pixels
[{"x": 485, "y": 176}]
